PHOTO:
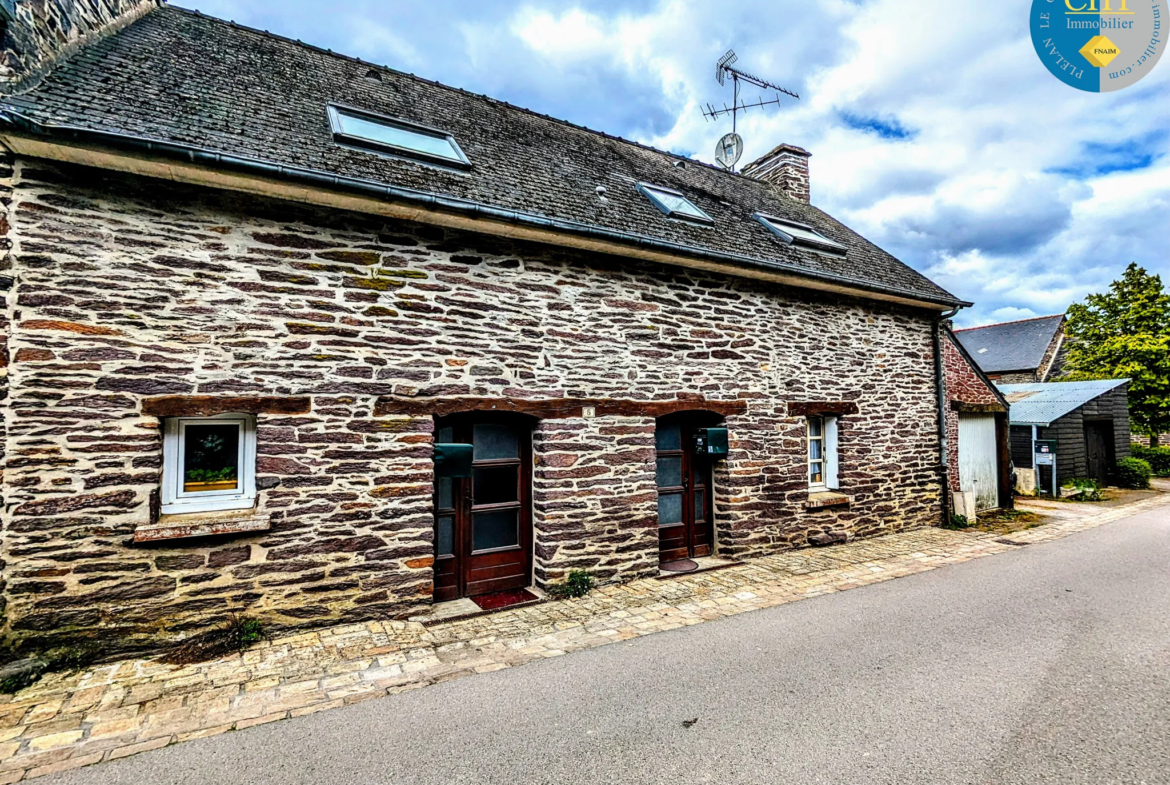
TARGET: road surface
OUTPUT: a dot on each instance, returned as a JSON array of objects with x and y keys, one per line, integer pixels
[{"x": 1050, "y": 664}]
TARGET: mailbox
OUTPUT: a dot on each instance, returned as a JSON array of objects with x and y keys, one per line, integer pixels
[
  {"x": 1045, "y": 447},
  {"x": 453, "y": 460},
  {"x": 711, "y": 442}
]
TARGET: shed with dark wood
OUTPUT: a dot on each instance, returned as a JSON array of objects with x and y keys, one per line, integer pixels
[{"x": 1088, "y": 422}]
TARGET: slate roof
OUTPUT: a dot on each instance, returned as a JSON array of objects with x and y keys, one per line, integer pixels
[
  {"x": 1011, "y": 346},
  {"x": 1043, "y": 403},
  {"x": 180, "y": 77}
]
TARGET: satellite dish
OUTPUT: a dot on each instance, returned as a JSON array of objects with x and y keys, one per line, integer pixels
[{"x": 729, "y": 150}]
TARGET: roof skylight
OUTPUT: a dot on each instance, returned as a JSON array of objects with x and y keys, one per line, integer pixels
[
  {"x": 794, "y": 233},
  {"x": 386, "y": 134},
  {"x": 674, "y": 204}
]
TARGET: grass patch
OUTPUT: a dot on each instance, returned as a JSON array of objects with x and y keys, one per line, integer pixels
[
  {"x": 236, "y": 635},
  {"x": 578, "y": 584},
  {"x": 1007, "y": 521}
]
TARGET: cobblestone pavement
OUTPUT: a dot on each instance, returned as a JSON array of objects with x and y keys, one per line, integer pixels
[{"x": 67, "y": 721}]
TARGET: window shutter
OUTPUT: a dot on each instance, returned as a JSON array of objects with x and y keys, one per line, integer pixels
[{"x": 831, "y": 453}]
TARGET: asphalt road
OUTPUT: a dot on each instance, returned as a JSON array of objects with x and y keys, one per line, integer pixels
[{"x": 1050, "y": 664}]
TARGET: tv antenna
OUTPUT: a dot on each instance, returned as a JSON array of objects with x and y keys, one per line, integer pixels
[{"x": 730, "y": 147}]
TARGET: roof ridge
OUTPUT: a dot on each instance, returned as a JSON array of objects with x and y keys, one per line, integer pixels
[
  {"x": 1014, "y": 321},
  {"x": 483, "y": 96}
]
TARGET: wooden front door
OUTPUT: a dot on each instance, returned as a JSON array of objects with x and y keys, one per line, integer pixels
[
  {"x": 483, "y": 523},
  {"x": 685, "y": 521},
  {"x": 1099, "y": 450}
]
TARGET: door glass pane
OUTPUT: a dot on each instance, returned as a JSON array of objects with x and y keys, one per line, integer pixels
[
  {"x": 670, "y": 508},
  {"x": 698, "y": 474},
  {"x": 496, "y": 529},
  {"x": 446, "y": 494},
  {"x": 668, "y": 437},
  {"x": 494, "y": 442},
  {"x": 211, "y": 457},
  {"x": 700, "y": 509},
  {"x": 670, "y": 472},
  {"x": 496, "y": 484},
  {"x": 446, "y": 435},
  {"x": 445, "y": 536}
]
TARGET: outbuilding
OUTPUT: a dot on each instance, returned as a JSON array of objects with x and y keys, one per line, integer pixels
[
  {"x": 977, "y": 434},
  {"x": 1078, "y": 429}
]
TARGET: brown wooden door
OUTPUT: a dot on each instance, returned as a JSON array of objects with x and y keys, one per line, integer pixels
[
  {"x": 685, "y": 518},
  {"x": 1099, "y": 450},
  {"x": 483, "y": 523}
]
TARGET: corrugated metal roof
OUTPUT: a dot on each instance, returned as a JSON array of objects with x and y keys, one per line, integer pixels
[{"x": 1045, "y": 403}]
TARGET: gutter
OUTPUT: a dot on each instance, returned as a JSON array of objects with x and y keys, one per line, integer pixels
[
  {"x": 936, "y": 327},
  {"x": 13, "y": 119}
]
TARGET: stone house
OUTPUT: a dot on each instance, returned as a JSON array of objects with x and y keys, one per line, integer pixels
[
  {"x": 292, "y": 334},
  {"x": 980, "y": 461},
  {"x": 1020, "y": 352}
]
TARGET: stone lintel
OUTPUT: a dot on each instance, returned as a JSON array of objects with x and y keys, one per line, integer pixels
[
  {"x": 208, "y": 405},
  {"x": 805, "y": 408},
  {"x": 203, "y": 524},
  {"x": 554, "y": 409}
]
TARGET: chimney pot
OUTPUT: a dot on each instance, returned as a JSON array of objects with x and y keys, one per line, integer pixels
[{"x": 786, "y": 167}]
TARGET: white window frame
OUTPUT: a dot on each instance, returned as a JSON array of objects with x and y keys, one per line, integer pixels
[
  {"x": 336, "y": 111},
  {"x": 177, "y": 501},
  {"x": 800, "y": 234},
  {"x": 828, "y": 460},
  {"x": 655, "y": 193}
]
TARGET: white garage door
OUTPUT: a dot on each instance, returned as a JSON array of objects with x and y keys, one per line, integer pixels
[{"x": 977, "y": 459}]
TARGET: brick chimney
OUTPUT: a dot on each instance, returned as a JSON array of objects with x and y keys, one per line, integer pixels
[
  {"x": 786, "y": 167},
  {"x": 36, "y": 34}
]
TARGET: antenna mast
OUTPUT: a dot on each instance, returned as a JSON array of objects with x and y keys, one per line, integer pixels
[{"x": 731, "y": 145}]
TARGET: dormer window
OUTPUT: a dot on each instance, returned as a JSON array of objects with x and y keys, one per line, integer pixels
[
  {"x": 675, "y": 205},
  {"x": 799, "y": 234},
  {"x": 398, "y": 137}
]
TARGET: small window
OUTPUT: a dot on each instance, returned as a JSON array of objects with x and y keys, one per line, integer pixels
[
  {"x": 794, "y": 233},
  {"x": 822, "y": 453},
  {"x": 675, "y": 205},
  {"x": 209, "y": 463},
  {"x": 385, "y": 134}
]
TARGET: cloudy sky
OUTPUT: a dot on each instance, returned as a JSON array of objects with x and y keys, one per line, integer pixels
[{"x": 935, "y": 130}]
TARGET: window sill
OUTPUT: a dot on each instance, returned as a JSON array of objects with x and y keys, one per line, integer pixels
[
  {"x": 203, "y": 524},
  {"x": 818, "y": 500}
]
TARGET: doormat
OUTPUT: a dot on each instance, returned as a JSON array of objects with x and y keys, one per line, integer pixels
[
  {"x": 504, "y": 599},
  {"x": 682, "y": 565}
]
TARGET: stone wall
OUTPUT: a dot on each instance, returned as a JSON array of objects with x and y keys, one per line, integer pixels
[
  {"x": 6, "y": 163},
  {"x": 47, "y": 30},
  {"x": 128, "y": 289},
  {"x": 594, "y": 498},
  {"x": 963, "y": 386}
]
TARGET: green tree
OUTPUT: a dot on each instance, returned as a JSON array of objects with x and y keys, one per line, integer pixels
[{"x": 1125, "y": 333}]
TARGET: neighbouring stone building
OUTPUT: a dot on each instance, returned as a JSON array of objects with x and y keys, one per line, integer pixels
[
  {"x": 1020, "y": 352},
  {"x": 291, "y": 334}
]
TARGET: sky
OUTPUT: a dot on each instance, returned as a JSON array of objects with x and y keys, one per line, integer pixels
[{"x": 935, "y": 130}]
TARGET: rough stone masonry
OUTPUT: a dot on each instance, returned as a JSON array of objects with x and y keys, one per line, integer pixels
[{"x": 128, "y": 296}]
